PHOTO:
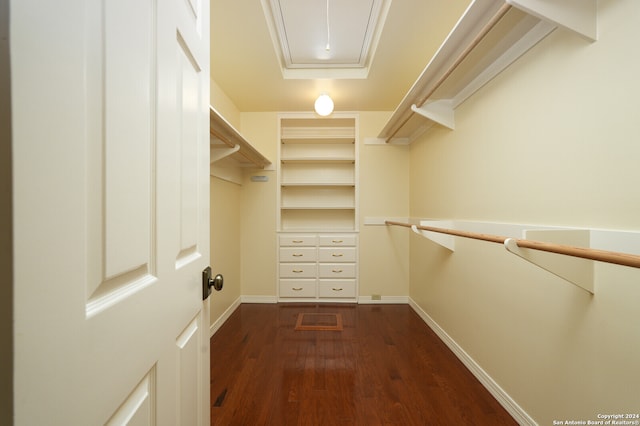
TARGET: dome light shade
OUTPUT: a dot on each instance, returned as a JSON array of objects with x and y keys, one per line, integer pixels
[{"x": 324, "y": 105}]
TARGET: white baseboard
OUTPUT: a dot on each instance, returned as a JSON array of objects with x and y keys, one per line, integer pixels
[
  {"x": 224, "y": 317},
  {"x": 258, "y": 299},
  {"x": 384, "y": 300},
  {"x": 498, "y": 393}
]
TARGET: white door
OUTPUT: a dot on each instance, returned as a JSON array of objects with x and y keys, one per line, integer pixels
[{"x": 111, "y": 211}]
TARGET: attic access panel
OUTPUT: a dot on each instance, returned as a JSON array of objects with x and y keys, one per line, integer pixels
[{"x": 301, "y": 34}]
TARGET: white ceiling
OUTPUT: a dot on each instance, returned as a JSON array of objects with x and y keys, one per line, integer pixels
[{"x": 249, "y": 62}]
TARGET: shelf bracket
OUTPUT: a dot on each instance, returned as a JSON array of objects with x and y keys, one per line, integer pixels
[
  {"x": 446, "y": 241},
  {"x": 218, "y": 154},
  {"x": 440, "y": 111},
  {"x": 579, "y": 272},
  {"x": 579, "y": 16}
]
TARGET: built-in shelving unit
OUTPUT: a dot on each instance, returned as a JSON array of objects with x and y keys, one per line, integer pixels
[
  {"x": 489, "y": 36},
  {"x": 318, "y": 173},
  {"x": 230, "y": 151},
  {"x": 318, "y": 207}
]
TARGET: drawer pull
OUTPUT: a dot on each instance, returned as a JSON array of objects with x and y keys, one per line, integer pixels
[
  {"x": 296, "y": 288},
  {"x": 297, "y": 271},
  {"x": 297, "y": 255},
  {"x": 336, "y": 289},
  {"x": 337, "y": 271},
  {"x": 337, "y": 241},
  {"x": 297, "y": 241},
  {"x": 337, "y": 255}
]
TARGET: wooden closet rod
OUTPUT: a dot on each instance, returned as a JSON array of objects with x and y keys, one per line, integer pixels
[{"x": 624, "y": 259}]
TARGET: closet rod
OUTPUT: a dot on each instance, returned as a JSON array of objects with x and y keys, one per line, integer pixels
[{"x": 624, "y": 259}]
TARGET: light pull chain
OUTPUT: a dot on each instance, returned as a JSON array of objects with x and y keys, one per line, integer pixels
[{"x": 328, "y": 47}]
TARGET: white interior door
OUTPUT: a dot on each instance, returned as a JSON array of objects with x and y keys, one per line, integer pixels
[{"x": 111, "y": 211}]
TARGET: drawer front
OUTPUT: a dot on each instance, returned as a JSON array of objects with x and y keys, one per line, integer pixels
[
  {"x": 293, "y": 270},
  {"x": 297, "y": 254},
  {"x": 337, "y": 254},
  {"x": 297, "y": 288},
  {"x": 337, "y": 240},
  {"x": 337, "y": 289},
  {"x": 337, "y": 270},
  {"x": 298, "y": 240}
]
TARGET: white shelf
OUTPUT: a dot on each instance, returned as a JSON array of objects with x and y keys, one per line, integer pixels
[
  {"x": 227, "y": 144},
  {"x": 318, "y": 153},
  {"x": 336, "y": 160},
  {"x": 318, "y": 207},
  {"x": 490, "y": 36},
  {"x": 317, "y": 177},
  {"x": 574, "y": 254},
  {"x": 325, "y": 131},
  {"x": 317, "y": 184}
]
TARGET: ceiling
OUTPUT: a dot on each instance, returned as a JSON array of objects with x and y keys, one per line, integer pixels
[{"x": 261, "y": 72}]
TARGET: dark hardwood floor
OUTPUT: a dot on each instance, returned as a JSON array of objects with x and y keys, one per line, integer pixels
[{"x": 385, "y": 367}]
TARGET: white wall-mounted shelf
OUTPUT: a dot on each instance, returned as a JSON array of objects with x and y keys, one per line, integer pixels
[
  {"x": 569, "y": 253},
  {"x": 230, "y": 150},
  {"x": 489, "y": 37}
]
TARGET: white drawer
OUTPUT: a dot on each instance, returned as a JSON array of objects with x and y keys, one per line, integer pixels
[
  {"x": 298, "y": 240},
  {"x": 293, "y": 270},
  {"x": 337, "y": 240},
  {"x": 297, "y": 254},
  {"x": 297, "y": 288},
  {"x": 337, "y": 270},
  {"x": 337, "y": 254},
  {"x": 337, "y": 288}
]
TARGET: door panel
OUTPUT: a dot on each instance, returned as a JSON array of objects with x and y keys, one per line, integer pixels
[
  {"x": 188, "y": 346},
  {"x": 139, "y": 407},
  {"x": 128, "y": 132},
  {"x": 189, "y": 94},
  {"x": 120, "y": 120}
]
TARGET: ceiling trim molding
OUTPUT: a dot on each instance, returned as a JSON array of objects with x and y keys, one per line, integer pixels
[{"x": 328, "y": 70}]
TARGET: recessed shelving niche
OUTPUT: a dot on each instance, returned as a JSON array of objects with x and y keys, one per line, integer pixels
[{"x": 318, "y": 172}]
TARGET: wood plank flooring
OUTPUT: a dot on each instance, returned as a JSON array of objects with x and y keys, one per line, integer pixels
[{"x": 385, "y": 367}]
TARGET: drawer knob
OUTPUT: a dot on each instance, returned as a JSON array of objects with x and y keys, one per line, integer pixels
[
  {"x": 297, "y": 271},
  {"x": 337, "y": 255},
  {"x": 337, "y": 271},
  {"x": 337, "y": 241},
  {"x": 296, "y": 288},
  {"x": 297, "y": 255},
  {"x": 336, "y": 289},
  {"x": 297, "y": 241}
]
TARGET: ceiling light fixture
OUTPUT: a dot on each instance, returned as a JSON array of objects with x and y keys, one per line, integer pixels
[{"x": 323, "y": 105}]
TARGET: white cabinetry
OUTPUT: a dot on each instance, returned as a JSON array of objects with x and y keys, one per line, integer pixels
[
  {"x": 337, "y": 260},
  {"x": 318, "y": 207},
  {"x": 318, "y": 266}
]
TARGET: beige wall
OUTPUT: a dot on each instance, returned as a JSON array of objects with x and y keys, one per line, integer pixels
[
  {"x": 225, "y": 244},
  {"x": 224, "y": 105},
  {"x": 259, "y": 210},
  {"x": 554, "y": 141},
  {"x": 384, "y": 192}
]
